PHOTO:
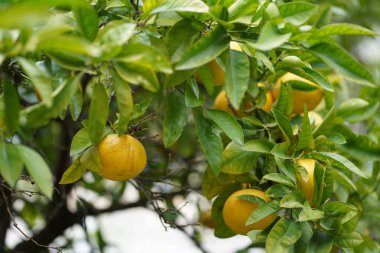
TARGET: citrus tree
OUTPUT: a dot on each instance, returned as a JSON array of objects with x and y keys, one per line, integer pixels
[{"x": 254, "y": 104}]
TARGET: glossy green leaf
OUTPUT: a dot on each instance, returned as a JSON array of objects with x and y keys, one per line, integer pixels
[
  {"x": 73, "y": 173},
  {"x": 308, "y": 214},
  {"x": 241, "y": 8},
  {"x": 204, "y": 50},
  {"x": 116, "y": 33},
  {"x": 10, "y": 163},
  {"x": 237, "y": 161},
  {"x": 338, "y": 161},
  {"x": 251, "y": 198},
  {"x": 263, "y": 211},
  {"x": 237, "y": 77},
  {"x": 11, "y": 107},
  {"x": 38, "y": 169},
  {"x": 284, "y": 234},
  {"x": 279, "y": 178},
  {"x": 98, "y": 113},
  {"x": 283, "y": 123},
  {"x": 39, "y": 78},
  {"x": 348, "y": 240},
  {"x": 342, "y": 29},
  {"x": 210, "y": 141},
  {"x": 336, "y": 57},
  {"x": 138, "y": 74},
  {"x": 76, "y": 104},
  {"x": 277, "y": 191},
  {"x": 86, "y": 18},
  {"x": 305, "y": 137},
  {"x": 227, "y": 123},
  {"x": 151, "y": 7},
  {"x": 81, "y": 141},
  {"x": 175, "y": 119},
  {"x": 284, "y": 102},
  {"x": 259, "y": 146},
  {"x": 295, "y": 199},
  {"x": 124, "y": 101},
  {"x": 139, "y": 109},
  {"x": 270, "y": 38},
  {"x": 320, "y": 243},
  {"x": 297, "y": 13},
  {"x": 90, "y": 160}
]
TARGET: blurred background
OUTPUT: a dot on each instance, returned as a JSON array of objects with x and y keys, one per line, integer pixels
[{"x": 140, "y": 230}]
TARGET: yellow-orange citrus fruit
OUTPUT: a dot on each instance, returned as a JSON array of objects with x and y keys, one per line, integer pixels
[
  {"x": 310, "y": 98},
  {"x": 206, "y": 219},
  {"x": 236, "y": 212},
  {"x": 217, "y": 73},
  {"x": 307, "y": 187},
  {"x": 122, "y": 157},
  {"x": 221, "y": 103}
]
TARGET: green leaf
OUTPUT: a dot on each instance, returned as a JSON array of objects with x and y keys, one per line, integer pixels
[
  {"x": 308, "y": 214},
  {"x": 336, "y": 57},
  {"x": 91, "y": 160},
  {"x": 241, "y": 8},
  {"x": 281, "y": 150},
  {"x": 151, "y": 7},
  {"x": 204, "y": 50},
  {"x": 181, "y": 36},
  {"x": 81, "y": 141},
  {"x": 284, "y": 234},
  {"x": 338, "y": 161},
  {"x": 139, "y": 109},
  {"x": 295, "y": 199},
  {"x": 39, "y": 78},
  {"x": 297, "y": 13},
  {"x": 116, "y": 33},
  {"x": 76, "y": 104},
  {"x": 38, "y": 169},
  {"x": 144, "y": 56},
  {"x": 11, "y": 107},
  {"x": 320, "y": 243},
  {"x": 284, "y": 102},
  {"x": 124, "y": 101},
  {"x": 279, "y": 178},
  {"x": 237, "y": 161},
  {"x": 277, "y": 191},
  {"x": 137, "y": 74},
  {"x": 259, "y": 146},
  {"x": 237, "y": 77},
  {"x": 270, "y": 38},
  {"x": 342, "y": 29},
  {"x": 263, "y": 211},
  {"x": 349, "y": 106},
  {"x": 73, "y": 173},
  {"x": 283, "y": 123},
  {"x": 319, "y": 79},
  {"x": 192, "y": 96},
  {"x": 251, "y": 198},
  {"x": 175, "y": 119},
  {"x": 86, "y": 18},
  {"x": 337, "y": 138},
  {"x": 40, "y": 114},
  {"x": 210, "y": 141},
  {"x": 10, "y": 163},
  {"x": 347, "y": 240},
  {"x": 305, "y": 138},
  {"x": 327, "y": 124},
  {"x": 227, "y": 123},
  {"x": 98, "y": 113}
]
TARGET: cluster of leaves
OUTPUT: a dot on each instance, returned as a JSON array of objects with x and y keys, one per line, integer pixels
[{"x": 89, "y": 63}]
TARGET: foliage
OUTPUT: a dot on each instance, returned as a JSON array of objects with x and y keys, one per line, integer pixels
[{"x": 74, "y": 71}]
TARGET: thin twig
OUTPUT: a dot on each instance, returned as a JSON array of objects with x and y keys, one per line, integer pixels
[{"x": 20, "y": 230}]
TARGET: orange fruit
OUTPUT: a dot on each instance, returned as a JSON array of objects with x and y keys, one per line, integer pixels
[
  {"x": 236, "y": 212},
  {"x": 307, "y": 187},
  {"x": 310, "y": 98},
  {"x": 221, "y": 103},
  {"x": 122, "y": 157}
]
